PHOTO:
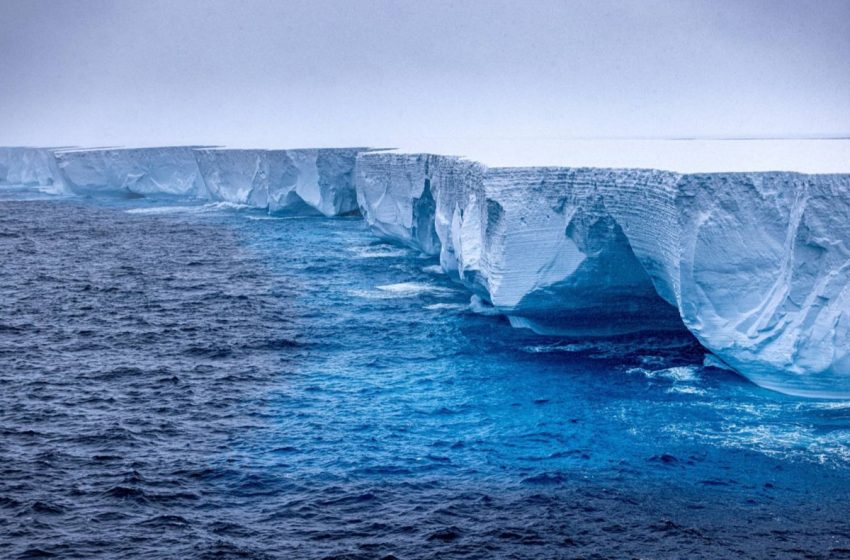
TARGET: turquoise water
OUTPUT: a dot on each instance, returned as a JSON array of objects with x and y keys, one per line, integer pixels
[{"x": 186, "y": 380}]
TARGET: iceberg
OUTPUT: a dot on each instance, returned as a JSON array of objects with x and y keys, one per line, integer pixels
[
  {"x": 132, "y": 171},
  {"x": 755, "y": 265},
  {"x": 31, "y": 167},
  {"x": 282, "y": 181}
]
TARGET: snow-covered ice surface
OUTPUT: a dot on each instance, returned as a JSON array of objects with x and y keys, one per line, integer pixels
[{"x": 682, "y": 155}]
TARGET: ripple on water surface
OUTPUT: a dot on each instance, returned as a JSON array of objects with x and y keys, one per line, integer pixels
[{"x": 189, "y": 381}]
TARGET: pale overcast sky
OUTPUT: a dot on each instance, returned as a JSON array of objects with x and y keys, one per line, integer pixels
[{"x": 377, "y": 72}]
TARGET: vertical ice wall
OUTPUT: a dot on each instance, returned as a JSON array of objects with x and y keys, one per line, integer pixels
[
  {"x": 394, "y": 195},
  {"x": 247, "y": 176},
  {"x": 764, "y": 275},
  {"x": 326, "y": 179},
  {"x": 30, "y": 167},
  {"x": 558, "y": 262},
  {"x": 132, "y": 171},
  {"x": 303, "y": 180},
  {"x": 756, "y": 265}
]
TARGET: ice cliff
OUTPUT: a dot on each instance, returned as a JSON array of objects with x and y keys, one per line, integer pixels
[
  {"x": 755, "y": 265},
  {"x": 30, "y": 167},
  {"x": 317, "y": 180},
  {"x": 132, "y": 171},
  {"x": 302, "y": 180}
]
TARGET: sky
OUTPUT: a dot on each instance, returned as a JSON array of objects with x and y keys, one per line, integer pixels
[{"x": 256, "y": 73}]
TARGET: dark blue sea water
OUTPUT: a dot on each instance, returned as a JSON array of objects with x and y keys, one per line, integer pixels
[{"x": 186, "y": 381}]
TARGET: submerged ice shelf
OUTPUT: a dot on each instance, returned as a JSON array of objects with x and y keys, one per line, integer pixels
[{"x": 755, "y": 265}]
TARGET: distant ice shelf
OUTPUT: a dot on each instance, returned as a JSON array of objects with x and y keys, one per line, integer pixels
[
  {"x": 303, "y": 180},
  {"x": 755, "y": 264},
  {"x": 140, "y": 171},
  {"x": 35, "y": 167}
]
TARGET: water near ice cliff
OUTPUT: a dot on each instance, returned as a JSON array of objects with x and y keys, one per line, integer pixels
[{"x": 200, "y": 381}]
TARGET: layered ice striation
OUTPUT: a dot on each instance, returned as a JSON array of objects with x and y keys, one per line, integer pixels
[
  {"x": 755, "y": 265},
  {"x": 32, "y": 167},
  {"x": 132, "y": 171},
  {"x": 557, "y": 261},
  {"x": 283, "y": 181}
]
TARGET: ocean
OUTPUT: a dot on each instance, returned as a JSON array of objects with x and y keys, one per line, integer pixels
[{"x": 188, "y": 380}]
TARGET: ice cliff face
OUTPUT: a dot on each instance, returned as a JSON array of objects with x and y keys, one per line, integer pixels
[
  {"x": 537, "y": 243},
  {"x": 397, "y": 192},
  {"x": 309, "y": 180},
  {"x": 558, "y": 262},
  {"x": 763, "y": 275},
  {"x": 132, "y": 171},
  {"x": 756, "y": 265},
  {"x": 30, "y": 167}
]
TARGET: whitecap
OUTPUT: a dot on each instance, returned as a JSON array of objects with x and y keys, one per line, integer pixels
[
  {"x": 447, "y": 307},
  {"x": 224, "y": 205},
  {"x": 415, "y": 289},
  {"x": 686, "y": 390},
  {"x": 402, "y": 290},
  {"x": 373, "y": 252},
  {"x": 681, "y": 374},
  {"x": 193, "y": 209},
  {"x": 164, "y": 210}
]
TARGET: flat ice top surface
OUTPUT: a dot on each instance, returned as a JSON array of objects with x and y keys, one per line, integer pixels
[
  {"x": 806, "y": 155},
  {"x": 685, "y": 156}
]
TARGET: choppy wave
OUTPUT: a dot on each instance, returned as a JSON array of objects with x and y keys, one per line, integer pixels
[
  {"x": 378, "y": 252},
  {"x": 190, "y": 209},
  {"x": 241, "y": 388},
  {"x": 447, "y": 307},
  {"x": 404, "y": 290}
]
